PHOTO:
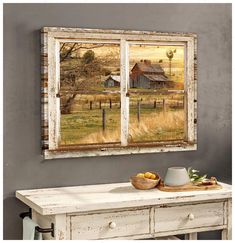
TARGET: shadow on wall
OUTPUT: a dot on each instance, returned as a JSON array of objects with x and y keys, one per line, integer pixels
[{"x": 13, "y": 205}]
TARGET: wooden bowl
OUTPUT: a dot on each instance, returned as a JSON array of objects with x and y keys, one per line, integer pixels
[{"x": 144, "y": 183}]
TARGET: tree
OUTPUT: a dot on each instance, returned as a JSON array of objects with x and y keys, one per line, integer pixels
[
  {"x": 67, "y": 49},
  {"x": 88, "y": 57}
]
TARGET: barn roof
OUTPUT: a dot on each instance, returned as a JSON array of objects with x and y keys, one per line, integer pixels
[
  {"x": 156, "y": 77},
  {"x": 115, "y": 78},
  {"x": 149, "y": 68}
]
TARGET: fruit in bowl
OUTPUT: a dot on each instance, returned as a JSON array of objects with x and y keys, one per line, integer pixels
[{"x": 145, "y": 181}]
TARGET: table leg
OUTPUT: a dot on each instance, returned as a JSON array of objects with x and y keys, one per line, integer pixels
[
  {"x": 191, "y": 236},
  {"x": 227, "y": 233}
]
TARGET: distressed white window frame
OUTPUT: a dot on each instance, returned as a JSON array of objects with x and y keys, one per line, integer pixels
[{"x": 51, "y": 38}]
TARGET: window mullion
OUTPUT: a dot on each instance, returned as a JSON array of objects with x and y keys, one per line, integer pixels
[
  {"x": 124, "y": 92},
  {"x": 57, "y": 80}
]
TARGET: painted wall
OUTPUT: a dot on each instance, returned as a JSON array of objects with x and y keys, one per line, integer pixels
[{"x": 24, "y": 167}]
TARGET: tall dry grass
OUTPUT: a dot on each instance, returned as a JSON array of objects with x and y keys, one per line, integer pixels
[
  {"x": 152, "y": 126},
  {"x": 157, "y": 126}
]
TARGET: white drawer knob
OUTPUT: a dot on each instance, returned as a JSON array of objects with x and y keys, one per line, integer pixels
[
  {"x": 191, "y": 216},
  {"x": 112, "y": 225}
]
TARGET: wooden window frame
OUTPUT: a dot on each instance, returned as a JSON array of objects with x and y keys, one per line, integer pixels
[{"x": 50, "y": 87}]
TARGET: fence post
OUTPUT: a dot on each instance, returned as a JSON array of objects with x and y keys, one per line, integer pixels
[
  {"x": 103, "y": 119},
  {"x": 164, "y": 105},
  {"x": 100, "y": 104},
  {"x": 110, "y": 103},
  {"x": 138, "y": 111},
  {"x": 154, "y": 104},
  {"x": 90, "y": 105}
]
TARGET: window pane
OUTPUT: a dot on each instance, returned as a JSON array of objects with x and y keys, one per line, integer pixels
[
  {"x": 90, "y": 93},
  {"x": 156, "y": 117},
  {"x": 156, "y": 93}
]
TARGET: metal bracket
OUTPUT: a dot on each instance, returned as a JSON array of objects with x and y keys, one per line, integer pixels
[
  {"x": 26, "y": 214},
  {"x": 37, "y": 228},
  {"x": 46, "y": 230}
]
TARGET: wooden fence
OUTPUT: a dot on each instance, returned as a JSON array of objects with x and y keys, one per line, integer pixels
[
  {"x": 163, "y": 105},
  {"x": 139, "y": 103}
]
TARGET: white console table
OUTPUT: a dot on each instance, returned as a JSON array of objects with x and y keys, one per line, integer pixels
[{"x": 118, "y": 211}]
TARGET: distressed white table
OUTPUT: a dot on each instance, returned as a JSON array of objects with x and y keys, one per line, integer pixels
[{"x": 118, "y": 211}]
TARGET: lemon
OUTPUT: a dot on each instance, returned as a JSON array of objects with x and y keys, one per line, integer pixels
[
  {"x": 140, "y": 175},
  {"x": 148, "y": 175},
  {"x": 153, "y": 177}
]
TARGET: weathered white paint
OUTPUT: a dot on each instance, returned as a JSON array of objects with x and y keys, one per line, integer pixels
[
  {"x": 57, "y": 154},
  {"x": 190, "y": 231},
  {"x": 168, "y": 238},
  {"x": 191, "y": 236},
  {"x": 188, "y": 216},
  {"x": 227, "y": 232},
  {"x": 118, "y": 211},
  {"x": 61, "y": 227},
  {"x": 124, "y": 89},
  {"x": 52, "y": 91},
  {"x": 90, "y": 41},
  {"x": 109, "y": 196},
  {"x": 112, "y": 36},
  {"x": 190, "y": 91},
  {"x": 97, "y": 225},
  {"x": 57, "y": 99},
  {"x": 44, "y": 222},
  {"x": 52, "y": 36},
  {"x": 131, "y": 32}
]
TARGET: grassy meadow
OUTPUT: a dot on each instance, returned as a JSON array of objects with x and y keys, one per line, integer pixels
[{"x": 84, "y": 125}]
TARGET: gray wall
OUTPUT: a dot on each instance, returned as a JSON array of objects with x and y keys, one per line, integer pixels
[{"x": 24, "y": 168}]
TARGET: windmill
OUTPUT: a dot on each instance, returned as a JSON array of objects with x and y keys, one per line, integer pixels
[{"x": 170, "y": 55}]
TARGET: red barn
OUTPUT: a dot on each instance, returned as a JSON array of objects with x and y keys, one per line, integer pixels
[{"x": 147, "y": 75}]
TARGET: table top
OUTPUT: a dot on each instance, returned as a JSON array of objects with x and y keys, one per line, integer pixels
[{"x": 74, "y": 199}]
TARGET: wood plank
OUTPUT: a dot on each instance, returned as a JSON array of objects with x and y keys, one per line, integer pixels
[
  {"x": 191, "y": 236},
  {"x": 227, "y": 232},
  {"x": 124, "y": 90},
  {"x": 61, "y": 227},
  {"x": 152, "y": 221},
  {"x": 109, "y": 196},
  {"x": 52, "y": 89},
  {"x": 113, "y": 36},
  {"x": 66, "y": 153},
  {"x": 171, "y": 237},
  {"x": 44, "y": 90},
  {"x": 188, "y": 187},
  {"x": 136, "y": 32},
  {"x": 189, "y": 231},
  {"x": 179, "y": 217},
  {"x": 190, "y": 91},
  {"x": 97, "y": 226}
]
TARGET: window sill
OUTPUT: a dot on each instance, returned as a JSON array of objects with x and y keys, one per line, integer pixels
[{"x": 78, "y": 151}]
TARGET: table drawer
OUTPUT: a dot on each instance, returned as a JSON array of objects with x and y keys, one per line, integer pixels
[
  {"x": 172, "y": 218},
  {"x": 110, "y": 224}
]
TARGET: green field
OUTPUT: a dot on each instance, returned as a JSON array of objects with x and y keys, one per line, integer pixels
[
  {"x": 76, "y": 127},
  {"x": 85, "y": 126}
]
